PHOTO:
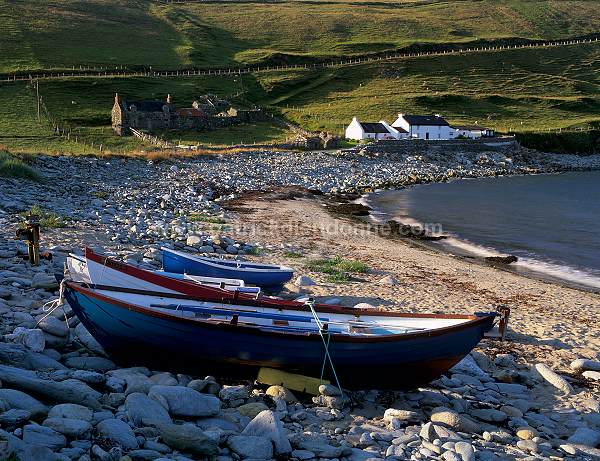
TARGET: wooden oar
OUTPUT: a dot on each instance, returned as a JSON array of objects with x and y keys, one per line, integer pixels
[{"x": 287, "y": 317}]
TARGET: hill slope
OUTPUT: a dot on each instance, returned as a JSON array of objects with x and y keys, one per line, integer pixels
[{"x": 60, "y": 34}]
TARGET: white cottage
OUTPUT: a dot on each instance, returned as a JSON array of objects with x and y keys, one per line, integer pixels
[
  {"x": 362, "y": 130},
  {"x": 431, "y": 127}
]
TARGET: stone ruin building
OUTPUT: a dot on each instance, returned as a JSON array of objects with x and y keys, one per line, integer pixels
[{"x": 208, "y": 112}]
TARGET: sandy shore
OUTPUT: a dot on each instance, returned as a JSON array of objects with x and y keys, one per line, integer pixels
[{"x": 549, "y": 322}]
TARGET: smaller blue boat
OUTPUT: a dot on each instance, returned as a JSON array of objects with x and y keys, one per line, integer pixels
[{"x": 262, "y": 275}]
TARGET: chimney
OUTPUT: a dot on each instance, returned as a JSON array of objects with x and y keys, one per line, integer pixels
[{"x": 168, "y": 99}]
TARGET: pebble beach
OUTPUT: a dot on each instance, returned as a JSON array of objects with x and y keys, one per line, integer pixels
[{"x": 534, "y": 396}]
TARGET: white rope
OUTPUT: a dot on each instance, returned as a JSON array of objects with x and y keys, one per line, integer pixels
[
  {"x": 311, "y": 304},
  {"x": 51, "y": 306}
]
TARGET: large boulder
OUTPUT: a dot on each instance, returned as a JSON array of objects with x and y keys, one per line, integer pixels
[
  {"x": 99, "y": 364},
  {"x": 188, "y": 438},
  {"x": 251, "y": 446},
  {"x": 143, "y": 410},
  {"x": 43, "y": 436},
  {"x": 185, "y": 402},
  {"x": 69, "y": 426},
  {"x": 267, "y": 424},
  {"x": 22, "y": 401},
  {"x": 117, "y": 431},
  {"x": 71, "y": 410},
  {"x": 84, "y": 337},
  {"x": 33, "y": 339}
]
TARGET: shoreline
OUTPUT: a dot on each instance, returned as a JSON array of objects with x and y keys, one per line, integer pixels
[{"x": 476, "y": 252}]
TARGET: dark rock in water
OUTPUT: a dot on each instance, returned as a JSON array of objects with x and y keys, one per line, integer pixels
[
  {"x": 349, "y": 209},
  {"x": 502, "y": 259},
  {"x": 395, "y": 228}
]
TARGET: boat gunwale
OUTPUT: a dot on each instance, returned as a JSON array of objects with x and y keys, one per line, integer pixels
[{"x": 471, "y": 320}]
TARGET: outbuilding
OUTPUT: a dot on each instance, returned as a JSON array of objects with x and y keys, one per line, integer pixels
[{"x": 368, "y": 130}]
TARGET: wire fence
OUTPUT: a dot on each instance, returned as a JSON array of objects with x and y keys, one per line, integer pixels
[
  {"x": 59, "y": 128},
  {"x": 121, "y": 71}
]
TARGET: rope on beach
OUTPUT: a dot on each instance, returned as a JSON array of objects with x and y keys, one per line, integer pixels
[
  {"x": 311, "y": 305},
  {"x": 51, "y": 306}
]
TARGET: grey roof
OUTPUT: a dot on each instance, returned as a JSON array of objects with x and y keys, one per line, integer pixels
[
  {"x": 374, "y": 127},
  {"x": 425, "y": 120},
  {"x": 146, "y": 106},
  {"x": 399, "y": 129}
]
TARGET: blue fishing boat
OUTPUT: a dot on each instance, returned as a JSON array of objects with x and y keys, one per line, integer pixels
[
  {"x": 262, "y": 275},
  {"x": 365, "y": 348}
]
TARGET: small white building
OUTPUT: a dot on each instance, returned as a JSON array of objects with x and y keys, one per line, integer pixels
[
  {"x": 432, "y": 127},
  {"x": 473, "y": 131},
  {"x": 363, "y": 130}
]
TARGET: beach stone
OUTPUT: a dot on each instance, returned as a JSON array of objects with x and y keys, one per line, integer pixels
[
  {"x": 72, "y": 411},
  {"x": 451, "y": 456},
  {"x": 253, "y": 447},
  {"x": 33, "y": 339},
  {"x": 22, "y": 401},
  {"x": 329, "y": 390},
  {"x": 469, "y": 366},
  {"x": 251, "y": 409},
  {"x": 68, "y": 426},
  {"x": 568, "y": 449},
  {"x": 490, "y": 415},
  {"x": 134, "y": 380},
  {"x": 14, "y": 417},
  {"x": 280, "y": 392},
  {"x": 527, "y": 446},
  {"x": 184, "y": 401},
  {"x": 143, "y": 410},
  {"x": 304, "y": 281},
  {"x": 319, "y": 446},
  {"x": 188, "y": 438},
  {"x": 45, "y": 281},
  {"x": 593, "y": 375},
  {"x": 454, "y": 420},
  {"x": 303, "y": 455},
  {"x": 205, "y": 386},
  {"x": 527, "y": 433},
  {"x": 54, "y": 326},
  {"x": 585, "y": 436},
  {"x": 164, "y": 379},
  {"x": 267, "y": 424},
  {"x": 465, "y": 450},
  {"x": 581, "y": 365},
  {"x": 43, "y": 436},
  {"x": 90, "y": 377},
  {"x": 86, "y": 338},
  {"x": 117, "y": 431},
  {"x": 193, "y": 240},
  {"x": 233, "y": 393},
  {"x": 364, "y": 306},
  {"x": 98, "y": 364},
  {"x": 553, "y": 378},
  {"x": 388, "y": 280}
]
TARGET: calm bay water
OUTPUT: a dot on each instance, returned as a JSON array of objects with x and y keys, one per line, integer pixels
[{"x": 551, "y": 222}]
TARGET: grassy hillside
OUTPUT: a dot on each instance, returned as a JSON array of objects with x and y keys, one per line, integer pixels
[
  {"x": 516, "y": 90},
  {"x": 519, "y": 90},
  {"x": 64, "y": 33}
]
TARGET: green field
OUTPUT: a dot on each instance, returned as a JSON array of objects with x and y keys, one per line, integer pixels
[
  {"x": 515, "y": 90},
  {"x": 61, "y": 34}
]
